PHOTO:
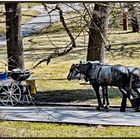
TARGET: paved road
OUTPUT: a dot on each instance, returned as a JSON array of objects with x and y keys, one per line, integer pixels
[
  {"x": 71, "y": 115},
  {"x": 38, "y": 23}
]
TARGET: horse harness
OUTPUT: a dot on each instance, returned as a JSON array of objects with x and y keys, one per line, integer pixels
[
  {"x": 96, "y": 75},
  {"x": 94, "y": 72}
]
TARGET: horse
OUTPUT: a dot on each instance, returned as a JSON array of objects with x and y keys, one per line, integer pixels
[
  {"x": 104, "y": 75},
  {"x": 135, "y": 85}
]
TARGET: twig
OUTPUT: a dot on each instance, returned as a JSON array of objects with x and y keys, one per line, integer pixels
[{"x": 65, "y": 25}]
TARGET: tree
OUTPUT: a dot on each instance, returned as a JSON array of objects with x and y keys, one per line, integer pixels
[
  {"x": 97, "y": 32},
  {"x": 133, "y": 17},
  {"x": 13, "y": 35},
  {"x": 125, "y": 18}
]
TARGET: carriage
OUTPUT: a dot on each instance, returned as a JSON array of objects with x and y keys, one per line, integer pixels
[{"x": 14, "y": 88}]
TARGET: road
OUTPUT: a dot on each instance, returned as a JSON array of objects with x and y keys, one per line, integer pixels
[
  {"x": 74, "y": 115},
  {"x": 38, "y": 23},
  {"x": 35, "y": 24}
]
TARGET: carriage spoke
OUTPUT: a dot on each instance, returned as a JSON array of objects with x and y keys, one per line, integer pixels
[
  {"x": 4, "y": 97},
  {"x": 15, "y": 90},
  {"x": 15, "y": 98},
  {"x": 4, "y": 89},
  {"x": 11, "y": 100},
  {"x": 5, "y": 102},
  {"x": 27, "y": 98},
  {"x": 3, "y": 93},
  {"x": 14, "y": 86},
  {"x": 8, "y": 89}
]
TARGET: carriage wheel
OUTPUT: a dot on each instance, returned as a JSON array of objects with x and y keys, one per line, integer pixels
[{"x": 10, "y": 94}]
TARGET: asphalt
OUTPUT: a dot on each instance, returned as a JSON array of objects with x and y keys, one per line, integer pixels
[{"x": 71, "y": 115}]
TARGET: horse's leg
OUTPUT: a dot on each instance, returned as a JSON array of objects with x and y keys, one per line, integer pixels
[
  {"x": 137, "y": 91},
  {"x": 129, "y": 91},
  {"x": 136, "y": 103},
  {"x": 106, "y": 96},
  {"x": 124, "y": 98},
  {"x": 130, "y": 95},
  {"x": 96, "y": 88}
]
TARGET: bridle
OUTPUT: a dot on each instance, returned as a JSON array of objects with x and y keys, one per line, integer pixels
[{"x": 77, "y": 71}]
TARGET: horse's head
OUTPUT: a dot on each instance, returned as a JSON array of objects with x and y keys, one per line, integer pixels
[
  {"x": 81, "y": 70},
  {"x": 74, "y": 72}
]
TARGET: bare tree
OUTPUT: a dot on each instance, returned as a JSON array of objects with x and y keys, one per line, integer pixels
[
  {"x": 97, "y": 32},
  {"x": 13, "y": 35},
  {"x": 133, "y": 17},
  {"x": 67, "y": 48},
  {"x": 94, "y": 20}
]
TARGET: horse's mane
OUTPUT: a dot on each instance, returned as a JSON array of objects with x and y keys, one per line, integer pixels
[{"x": 92, "y": 62}]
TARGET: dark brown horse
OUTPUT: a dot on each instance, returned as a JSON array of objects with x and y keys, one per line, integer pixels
[{"x": 104, "y": 75}]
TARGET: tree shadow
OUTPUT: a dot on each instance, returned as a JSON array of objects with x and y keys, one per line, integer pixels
[
  {"x": 126, "y": 43},
  {"x": 78, "y": 95},
  {"x": 74, "y": 54},
  {"x": 115, "y": 33},
  {"x": 126, "y": 51},
  {"x": 65, "y": 95}
]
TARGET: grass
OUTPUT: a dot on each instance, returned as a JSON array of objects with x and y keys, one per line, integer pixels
[
  {"x": 58, "y": 89},
  {"x": 27, "y": 15},
  {"x": 39, "y": 130}
]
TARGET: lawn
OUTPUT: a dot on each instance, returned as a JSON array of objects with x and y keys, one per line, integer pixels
[
  {"x": 49, "y": 130},
  {"x": 56, "y": 88}
]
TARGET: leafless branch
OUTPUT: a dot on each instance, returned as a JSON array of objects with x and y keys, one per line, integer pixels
[
  {"x": 67, "y": 48},
  {"x": 65, "y": 25}
]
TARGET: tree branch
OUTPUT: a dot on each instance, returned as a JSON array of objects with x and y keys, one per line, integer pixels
[
  {"x": 65, "y": 25},
  {"x": 67, "y": 48}
]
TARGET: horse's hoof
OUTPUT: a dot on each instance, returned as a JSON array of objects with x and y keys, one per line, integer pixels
[
  {"x": 98, "y": 108},
  {"x": 137, "y": 110},
  {"x": 106, "y": 108},
  {"x": 133, "y": 103},
  {"x": 122, "y": 109}
]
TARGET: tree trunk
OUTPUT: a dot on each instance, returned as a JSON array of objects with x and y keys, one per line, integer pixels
[
  {"x": 135, "y": 24},
  {"x": 13, "y": 35},
  {"x": 125, "y": 21},
  {"x": 97, "y": 33},
  {"x": 133, "y": 17}
]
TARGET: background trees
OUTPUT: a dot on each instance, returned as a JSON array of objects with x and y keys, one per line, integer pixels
[
  {"x": 91, "y": 19},
  {"x": 133, "y": 11}
]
